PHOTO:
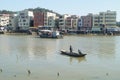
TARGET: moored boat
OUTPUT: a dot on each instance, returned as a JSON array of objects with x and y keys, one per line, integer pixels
[
  {"x": 50, "y": 34},
  {"x": 1, "y": 32}
]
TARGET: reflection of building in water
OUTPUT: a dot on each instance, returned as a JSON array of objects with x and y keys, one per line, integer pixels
[
  {"x": 6, "y": 45},
  {"x": 80, "y": 59},
  {"x": 57, "y": 45},
  {"x": 106, "y": 48},
  {"x": 31, "y": 54},
  {"x": 117, "y": 46},
  {"x": 36, "y": 49},
  {"x": 44, "y": 48},
  {"x": 52, "y": 47}
]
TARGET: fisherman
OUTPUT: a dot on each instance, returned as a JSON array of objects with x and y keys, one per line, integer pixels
[
  {"x": 71, "y": 49},
  {"x": 79, "y": 51}
]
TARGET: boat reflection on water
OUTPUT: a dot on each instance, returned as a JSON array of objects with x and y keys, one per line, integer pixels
[{"x": 80, "y": 59}]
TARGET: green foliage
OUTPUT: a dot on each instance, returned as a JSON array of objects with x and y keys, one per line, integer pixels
[
  {"x": 38, "y": 9},
  {"x": 6, "y": 12}
]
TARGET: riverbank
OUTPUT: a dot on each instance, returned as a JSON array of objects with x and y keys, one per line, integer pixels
[
  {"x": 95, "y": 32},
  {"x": 115, "y": 33}
]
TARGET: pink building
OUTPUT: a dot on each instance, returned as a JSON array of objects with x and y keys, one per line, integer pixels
[
  {"x": 86, "y": 22},
  {"x": 38, "y": 19}
]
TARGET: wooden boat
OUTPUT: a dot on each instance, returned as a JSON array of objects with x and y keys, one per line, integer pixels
[{"x": 73, "y": 54}]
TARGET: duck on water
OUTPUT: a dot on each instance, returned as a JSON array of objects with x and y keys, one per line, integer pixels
[{"x": 73, "y": 54}]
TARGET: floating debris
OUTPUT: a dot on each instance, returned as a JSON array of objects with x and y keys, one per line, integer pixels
[
  {"x": 107, "y": 74},
  {"x": 1, "y": 70},
  {"x": 14, "y": 75},
  {"x": 29, "y": 72},
  {"x": 58, "y": 74}
]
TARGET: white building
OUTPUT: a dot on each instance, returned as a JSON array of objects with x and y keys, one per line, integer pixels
[
  {"x": 4, "y": 20},
  {"x": 62, "y": 21},
  {"x": 108, "y": 19},
  {"x": 24, "y": 19},
  {"x": 49, "y": 19}
]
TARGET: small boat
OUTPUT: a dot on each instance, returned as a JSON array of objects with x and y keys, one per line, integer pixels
[{"x": 73, "y": 54}]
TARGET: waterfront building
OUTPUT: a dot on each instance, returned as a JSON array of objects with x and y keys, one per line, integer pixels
[
  {"x": 62, "y": 21},
  {"x": 25, "y": 19},
  {"x": 87, "y": 22},
  {"x": 118, "y": 24},
  {"x": 13, "y": 22},
  {"x": 104, "y": 19},
  {"x": 38, "y": 19},
  {"x": 4, "y": 20},
  {"x": 68, "y": 23},
  {"x": 96, "y": 20},
  {"x": 49, "y": 19},
  {"x": 71, "y": 22},
  {"x": 57, "y": 22},
  {"x": 80, "y": 23}
]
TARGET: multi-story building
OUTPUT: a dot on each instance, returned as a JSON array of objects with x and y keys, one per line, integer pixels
[
  {"x": 13, "y": 22},
  {"x": 87, "y": 22},
  {"x": 80, "y": 23},
  {"x": 25, "y": 18},
  {"x": 49, "y": 19},
  {"x": 68, "y": 23},
  {"x": 62, "y": 21},
  {"x": 96, "y": 20},
  {"x": 4, "y": 20},
  {"x": 105, "y": 19},
  {"x": 71, "y": 22},
  {"x": 38, "y": 19}
]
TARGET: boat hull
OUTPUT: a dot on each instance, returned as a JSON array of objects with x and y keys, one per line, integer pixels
[
  {"x": 73, "y": 54},
  {"x": 50, "y": 34},
  {"x": 55, "y": 37}
]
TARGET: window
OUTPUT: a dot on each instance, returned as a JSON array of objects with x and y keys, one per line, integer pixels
[
  {"x": 24, "y": 20},
  {"x": 22, "y": 17},
  {"x": 26, "y": 23}
]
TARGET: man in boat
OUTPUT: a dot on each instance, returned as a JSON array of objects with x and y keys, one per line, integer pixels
[
  {"x": 79, "y": 52},
  {"x": 71, "y": 49}
]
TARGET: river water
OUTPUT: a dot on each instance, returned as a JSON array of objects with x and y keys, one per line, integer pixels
[{"x": 20, "y": 53}]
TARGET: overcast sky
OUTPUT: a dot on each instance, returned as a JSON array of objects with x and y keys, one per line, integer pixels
[{"x": 78, "y": 7}]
